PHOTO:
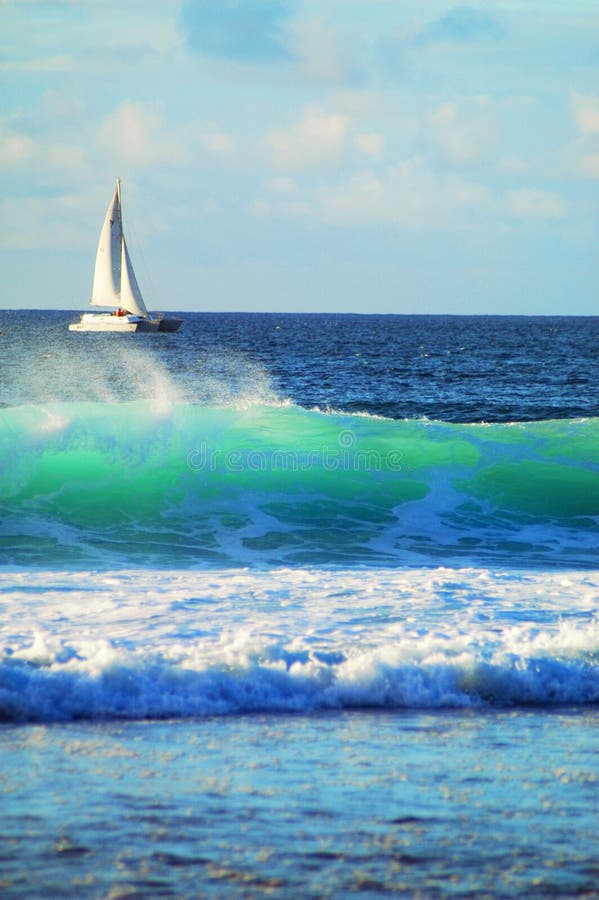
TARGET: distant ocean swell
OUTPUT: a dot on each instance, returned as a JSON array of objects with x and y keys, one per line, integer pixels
[
  {"x": 196, "y": 644},
  {"x": 279, "y": 484}
]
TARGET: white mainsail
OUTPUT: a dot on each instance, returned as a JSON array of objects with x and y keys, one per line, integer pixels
[
  {"x": 107, "y": 273},
  {"x": 114, "y": 281}
]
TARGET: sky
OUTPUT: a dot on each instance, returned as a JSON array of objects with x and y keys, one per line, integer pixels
[{"x": 367, "y": 156}]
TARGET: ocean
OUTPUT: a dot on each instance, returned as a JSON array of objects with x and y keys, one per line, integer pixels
[{"x": 299, "y": 606}]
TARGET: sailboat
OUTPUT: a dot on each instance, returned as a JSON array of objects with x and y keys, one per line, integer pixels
[{"x": 115, "y": 285}]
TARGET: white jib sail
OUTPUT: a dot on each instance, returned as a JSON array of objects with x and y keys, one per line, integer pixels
[
  {"x": 131, "y": 298},
  {"x": 107, "y": 273}
]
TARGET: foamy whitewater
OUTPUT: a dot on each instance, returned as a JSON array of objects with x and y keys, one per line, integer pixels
[
  {"x": 294, "y": 641},
  {"x": 299, "y": 605}
]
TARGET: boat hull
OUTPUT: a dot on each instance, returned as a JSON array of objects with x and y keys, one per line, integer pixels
[
  {"x": 169, "y": 324},
  {"x": 120, "y": 324}
]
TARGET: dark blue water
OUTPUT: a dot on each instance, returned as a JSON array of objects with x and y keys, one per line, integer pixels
[{"x": 448, "y": 368}]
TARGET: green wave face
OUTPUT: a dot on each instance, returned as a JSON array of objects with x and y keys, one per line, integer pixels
[{"x": 281, "y": 484}]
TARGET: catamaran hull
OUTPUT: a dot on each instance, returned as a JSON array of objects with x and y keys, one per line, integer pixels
[
  {"x": 122, "y": 324},
  {"x": 169, "y": 324}
]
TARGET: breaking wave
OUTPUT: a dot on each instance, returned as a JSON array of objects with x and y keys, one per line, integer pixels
[
  {"x": 274, "y": 483},
  {"x": 229, "y": 642}
]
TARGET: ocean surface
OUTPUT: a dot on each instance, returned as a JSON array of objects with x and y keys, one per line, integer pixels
[{"x": 299, "y": 606}]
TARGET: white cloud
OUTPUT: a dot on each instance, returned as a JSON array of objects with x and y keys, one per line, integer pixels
[
  {"x": 589, "y": 165},
  {"x": 135, "y": 133},
  {"x": 513, "y": 165},
  {"x": 56, "y": 105},
  {"x": 218, "y": 143},
  {"x": 362, "y": 104},
  {"x": 37, "y": 222},
  {"x": 468, "y": 194},
  {"x": 462, "y": 134},
  {"x": 70, "y": 157},
  {"x": 58, "y": 63},
  {"x": 15, "y": 149},
  {"x": 284, "y": 186},
  {"x": 364, "y": 198},
  {"x": 372, "y": 143},
  {"x": 318, "y": 140},
  {"x": 529, "y": 203},
  {"x": 409, "y": 195},
  {"x": 321, "y": 50},
  {"x": 586, "y": 112}
]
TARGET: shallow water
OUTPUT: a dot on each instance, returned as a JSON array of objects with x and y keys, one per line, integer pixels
[{"x": 410, "y": 803}]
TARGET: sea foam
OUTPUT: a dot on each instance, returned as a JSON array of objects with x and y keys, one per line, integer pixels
[{"x": 79, "y": 646}]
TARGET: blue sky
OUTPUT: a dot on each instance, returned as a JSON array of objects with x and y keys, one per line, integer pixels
[{"x": 305, "y": 155}]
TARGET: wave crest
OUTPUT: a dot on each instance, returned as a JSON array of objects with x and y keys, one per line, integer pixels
[{"x": 279, "y": 484}]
